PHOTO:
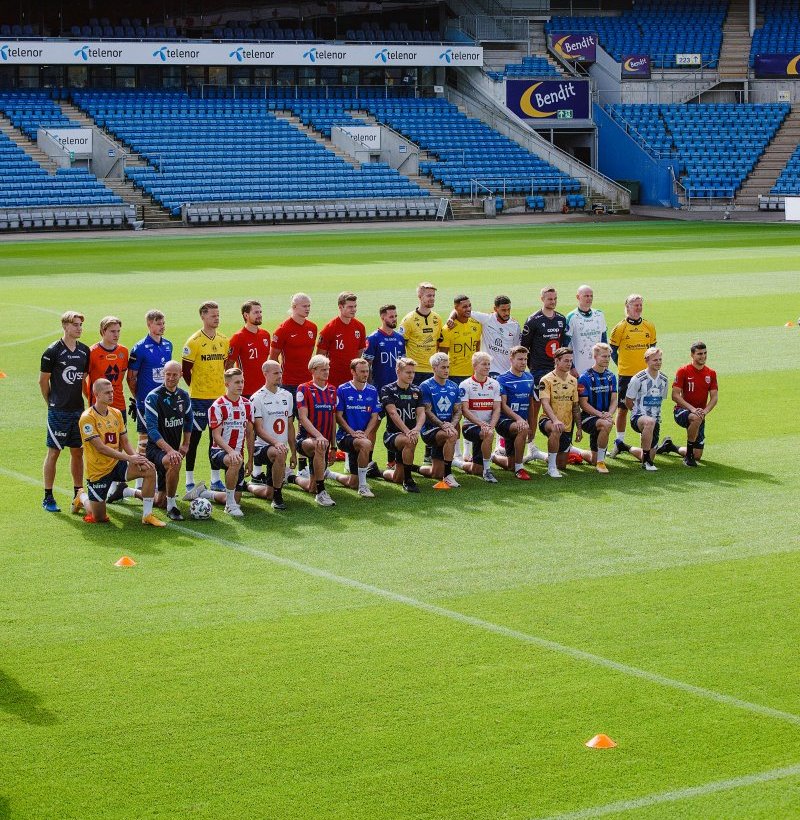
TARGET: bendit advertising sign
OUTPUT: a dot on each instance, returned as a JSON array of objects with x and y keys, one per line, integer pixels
[
  {"x": 635, "y": 66},
  {"x": 776, "y": 65},
  {"x": 579, "y": 48},
  {"x": 543, "y": 100},
  {"x": 85, "y": 52}
]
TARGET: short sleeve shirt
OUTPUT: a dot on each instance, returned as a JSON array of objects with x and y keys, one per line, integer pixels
[
  {"x": 342, "y": 343},
  {"x": 695, "y": 384},
  {"x": 250, "y": 350},
  {"x": 406, "y": 400},
  {"x": 67, "y": 369},
  {"x": 461, "y": 341},
  {"x": 275, "y": 411},
  {"x": 109, "y": 430},
  {"x": 207, "y": 356},
  {"x": 422, "y": 334},
  {"x": 562, "y": 395},
  {"x": 479, "y": 397},
  {"x": 111, "y": 365},
  {"x": 295, "y": 344}
]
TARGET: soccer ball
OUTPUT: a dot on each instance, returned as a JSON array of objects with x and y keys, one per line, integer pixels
[{"x": 200, "y": 509}]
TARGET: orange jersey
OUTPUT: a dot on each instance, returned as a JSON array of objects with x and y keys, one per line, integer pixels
[{"x": 111, "y": 365}]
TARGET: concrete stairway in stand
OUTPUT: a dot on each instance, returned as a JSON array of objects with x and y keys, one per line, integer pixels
[
  {"x": 735, "y": 51},
  {"x": 772, "y": 162},
  {"x": 29, "y": 147}
]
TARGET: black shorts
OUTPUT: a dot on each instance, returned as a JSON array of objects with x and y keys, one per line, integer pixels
[
  {"x": 681, "y": 415},
  {"x": 504, "y": 428},
  {"x": 218, "y": 463},
  {"x": 390, "y": 439},
  {"x": 537, "y": 377},
  {"x": 589, "y": 425},
  {"x": 141, "y": 425},
  {"x": 472, "y": 433},
  {"x": 345, "y": 444},
  {"x": 622, "y": 389},
  {"x": 98, "y": 490},
  {"x": 298, "y": 443},
  {"x": 200, "y": 414},
  {"x": 155, "y": 454},
  {"x": 656, "y": 429},
  {"x": 564, "y": 441},
  {"x": 429, "y": 437},
  {"x": 292, "y": 388},
  {"x": 62, "y": 428}
]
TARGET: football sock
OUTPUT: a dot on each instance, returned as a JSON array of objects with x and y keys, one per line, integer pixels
[
  {"x": 448, "y": 468},
  {"x": 690, "y": 445},
  {"x": 646, "y": 457},
  {"x": 302, "y": 464},
  {"x": 601, "y": 453},
  {"x": 257, "y": 471},
  {"x": 230, "y": 500},
  {"x": 171, "y": 503},
  {"x": 138, "y": 484},
  {"x": 84, "y": 499},
  {"x": 147, "y": 506},
  {"x": 189, "y": 478},
  {"x": 362, "y": 476},
  {"x": 407, "y": 469},
  {"x": 76, "y": 491},
  {"x": 329, "y": 473},
  {"x": 128, "y": 493},
  {"x": 215, "y": 476},
  {"x": 321, "y": 486},
  {"x": 291, "y": 478},
  {"x": 48, "y": 494},
  {"x": 619, "y": 439},
  {"x": 517, "y": 467},
  {"x": 551, "y": 461},
  {"x": 209, "y": 495},
  {"x": 277, "y": 494},
  {"x": 112, "y": 488},
  {"x": 487, "y": 468}
]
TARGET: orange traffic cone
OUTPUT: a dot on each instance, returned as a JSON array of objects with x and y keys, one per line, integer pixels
[
  {"x": 788, "y": 324},
  {"x": 125, "y": 562},
  {"x": 441, "y": 485},
  {"x": 600, "y": 742},
  {"x": 2, "y": 375}
]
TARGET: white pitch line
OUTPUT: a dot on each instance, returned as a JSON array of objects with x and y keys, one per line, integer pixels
[
  {"x": 688, "y": 793},
  {"x": 31, "y": 339},
  {"x": 477, "y": 623}
]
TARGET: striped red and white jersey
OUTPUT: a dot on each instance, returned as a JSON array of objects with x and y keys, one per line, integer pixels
[
  {"x": 232, "y": 418},
  {"x": 479, "y": 397}
]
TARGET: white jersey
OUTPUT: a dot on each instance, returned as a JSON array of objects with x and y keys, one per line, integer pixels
[
  {"x": 479, "y": 397},
  {"x": 231, "y": 419},
  {"x": 498, "y": 338},
  {"x": 274, "y": 410},
  {"x": 584, "y": 333},
  {"x": 647, "y": 394}
]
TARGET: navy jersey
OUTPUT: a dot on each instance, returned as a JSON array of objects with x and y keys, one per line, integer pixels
[
  {"x": 320, "y": 402},
  {"x": 406, "y": 401},
  {"x": 67, "y": 369},
  {"x": 147, "y": 360},
  {"x": 382, "y": 353},
  {"x": 442, "y": 398},
  {"x": 518, "y": 391},
  {"x": 357, "y": 406},
  {"x": 543, "y": 336},
  {"x": 597, "y": 388},
  {"x": 168, "y": 415}
]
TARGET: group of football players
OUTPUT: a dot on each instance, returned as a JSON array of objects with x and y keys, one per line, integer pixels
[{"x": 281, "y": 407}]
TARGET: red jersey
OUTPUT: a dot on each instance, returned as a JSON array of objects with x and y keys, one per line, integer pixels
[
  {"x": 250, "y": 350},
  {"x": 111, "y": 365},
  {"x": 295, "y": 343},
  {"x": 320, "y": 402},
  {"x": 342, "y": 343},
  {"x": 695, "y": 384},
  {"x": 232, "y": 418}
]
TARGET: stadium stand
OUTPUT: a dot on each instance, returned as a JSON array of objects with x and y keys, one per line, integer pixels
[
  {"x": 533, "y": 67},
  {"x": 31, "y": 110},
  {"x": 226, "y": 150},
  {"x": 715, "y": 146},
  {"x": 660, "y": 28},
  {"x": 788, "y": 182},
  {"x": 780, "y": 32}
]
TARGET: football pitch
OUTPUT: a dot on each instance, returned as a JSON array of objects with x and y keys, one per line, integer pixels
[{"x": 445, "y": 655}]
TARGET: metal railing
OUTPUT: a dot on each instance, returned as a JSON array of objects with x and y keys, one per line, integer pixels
[
  {"x": 482, "y": 27},
  {"x": 323, "y": 92}
]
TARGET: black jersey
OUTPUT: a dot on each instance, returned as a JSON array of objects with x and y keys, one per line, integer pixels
[
  {"x": 168, "y": 415},
  {"x": 406, "y": 400},
  {"x": 67, "y": 369},
  {"x": 542, "y": 337}
]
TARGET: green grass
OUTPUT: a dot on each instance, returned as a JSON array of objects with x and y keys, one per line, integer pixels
[{"x": 416, "y": 657}]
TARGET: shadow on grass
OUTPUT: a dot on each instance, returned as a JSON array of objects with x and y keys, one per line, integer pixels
[
  {"x": 24, "y": 704},
  {"x": 5, "y": 808}
]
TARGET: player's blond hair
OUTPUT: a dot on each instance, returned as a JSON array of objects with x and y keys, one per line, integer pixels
[
  {"x": 107, "y": 321},
  {"x": 601, "y": 346},
  {"x": 633, "y": 297},
  {"x": 438, "y": 358},
  {"x": 547, "y": 289},
  {"x": 425, "y": 286},
  {"x": 318, "y": 361},
  {"x": 232, "y": 373},
  {"x": 480, "y": 356},
  {"x": 100, "y": 384},
  {"x": 70, "y": 316},
  {"x": 404, "y": 361},
  {"x": 651, "y": 351}
]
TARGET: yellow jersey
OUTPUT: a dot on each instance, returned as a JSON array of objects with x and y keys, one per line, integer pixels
[
  {"x": 461, "y": 342},
  {"x": 109, "y": 429},
  {"x": 562, "y": 395},
  {"x": 207, "y": 356},
  {"x": 422, "y": 334},
  {"x": 631, "y": 341}
]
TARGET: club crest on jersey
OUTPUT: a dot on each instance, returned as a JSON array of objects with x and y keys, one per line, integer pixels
[
  {"x": 708, "y": 379},
  {"x": 358, "y": 334},
  {"x": 310, "y": 335},
  {"x": 186, "y": 350},
  {"x": 87, "y": 428}
]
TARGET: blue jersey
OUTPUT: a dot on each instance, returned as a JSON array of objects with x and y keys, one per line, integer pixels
[
  {"x": 147, "y": 360},
  {"x": 357, "y": 406},
  {"x": 382, "y": 353},
  {"x": 518, "y": 391},
  {"x": 442, "y": 399},
  {"x": 597, "y": 388},
  {"x": 168, "y": 415}
]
